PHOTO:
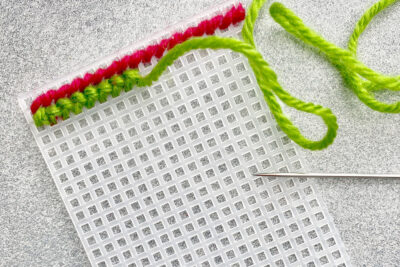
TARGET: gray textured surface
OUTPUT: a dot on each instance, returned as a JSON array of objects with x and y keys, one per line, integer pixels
[{"x": 42, "y": 40}]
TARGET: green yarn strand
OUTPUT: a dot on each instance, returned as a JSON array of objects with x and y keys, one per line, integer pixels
[
  {"x": 359, "y": 77},
  {"x": 250, "y": 20},
  {"x": 364, "y": 21},
  {"x": 269, "y": 85}
]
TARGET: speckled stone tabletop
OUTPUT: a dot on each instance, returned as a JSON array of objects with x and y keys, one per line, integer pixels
[{"x": 43, "y": 40}]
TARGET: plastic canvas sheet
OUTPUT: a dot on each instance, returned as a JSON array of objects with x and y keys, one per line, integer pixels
[{"x": 162, "y": 176}]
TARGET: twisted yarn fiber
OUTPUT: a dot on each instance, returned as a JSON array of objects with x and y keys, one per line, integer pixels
[
  {"x": 359, "y": 77},
  {"x": 265, "y": 76}
]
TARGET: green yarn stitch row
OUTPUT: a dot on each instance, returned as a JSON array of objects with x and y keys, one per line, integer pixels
[
  {"x": 266, "y": 77},
  {"x": 89, "y": 96}
]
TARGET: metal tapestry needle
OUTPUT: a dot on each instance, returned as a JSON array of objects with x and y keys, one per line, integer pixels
[{"x": 328, "y": 175}]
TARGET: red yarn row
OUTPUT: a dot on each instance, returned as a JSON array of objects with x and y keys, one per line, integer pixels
[{"x": 233, "y": 16}]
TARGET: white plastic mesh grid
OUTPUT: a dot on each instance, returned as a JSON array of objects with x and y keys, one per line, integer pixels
[{"x": 161, "y": 176}]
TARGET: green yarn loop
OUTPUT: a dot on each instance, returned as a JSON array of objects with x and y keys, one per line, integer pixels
[{"x": 359, "y": 77}]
